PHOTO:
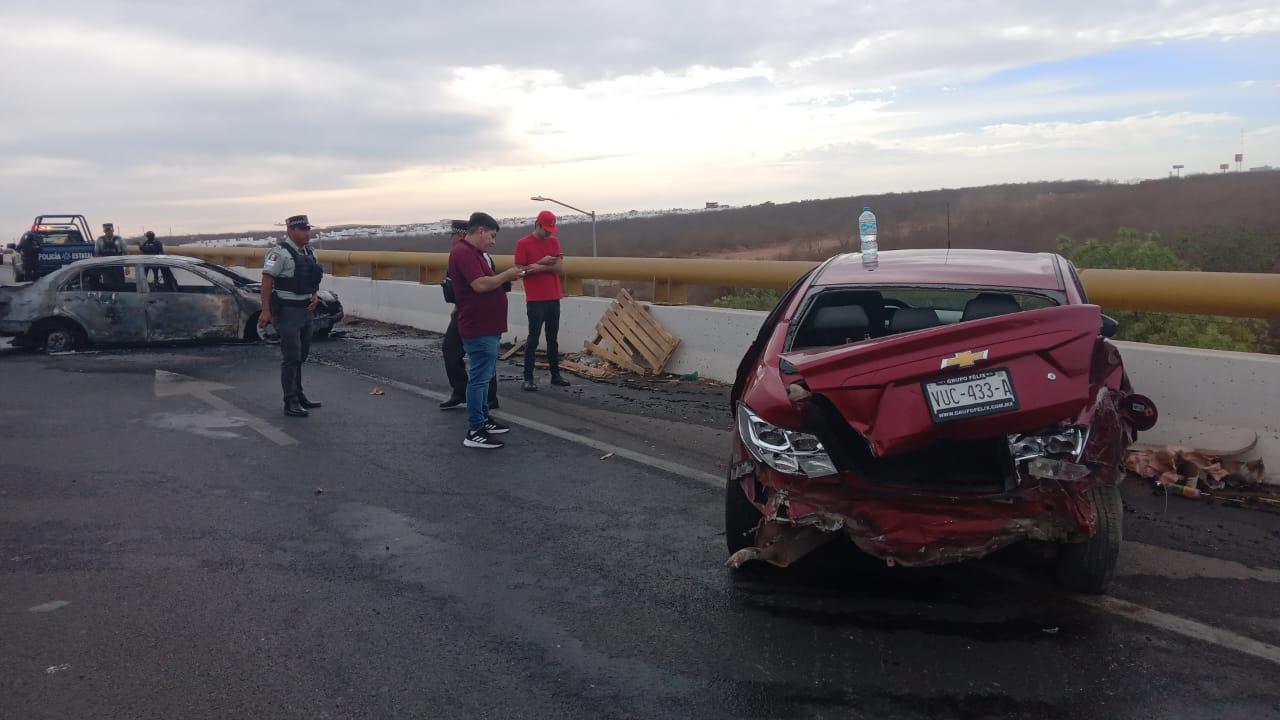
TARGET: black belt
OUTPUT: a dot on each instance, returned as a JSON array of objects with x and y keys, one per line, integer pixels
[{"x": 289, "y": 303}]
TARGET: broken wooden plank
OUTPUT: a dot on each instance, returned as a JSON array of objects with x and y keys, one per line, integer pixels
[
  {"x": 646, "y": 319},
  {"x": 629, "y": 337},
  {"x": 615, "y": 358},
  {"x": 638, "y": 338},
  {"x": 609, "y": 332},
  {"x": 514, "y": 350},
  {"x": 655, "y": 347},
  {"x": 627, "y": 317}
]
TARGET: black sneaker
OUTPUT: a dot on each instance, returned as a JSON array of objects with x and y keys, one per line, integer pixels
[
  {"x": 452, "y": 403},
  {"x": 493, "y": 427},
  {"x": 529, "y": 385},
  {"x": 480, "y": 439},
  {"x": 559, "y": 381}
]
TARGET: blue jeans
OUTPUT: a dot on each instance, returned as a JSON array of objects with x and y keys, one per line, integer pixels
[{"x": 482, "y": 357}]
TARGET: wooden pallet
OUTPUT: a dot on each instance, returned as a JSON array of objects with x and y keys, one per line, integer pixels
[{"x": 629, "y": 337}]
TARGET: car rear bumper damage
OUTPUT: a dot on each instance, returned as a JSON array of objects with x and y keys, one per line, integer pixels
[{"x": 904, "y": 526}]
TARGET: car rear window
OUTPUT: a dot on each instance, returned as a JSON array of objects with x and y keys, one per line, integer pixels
[
  {"x": 838, "y": 316},
  {"x": 62, "y": 238}
]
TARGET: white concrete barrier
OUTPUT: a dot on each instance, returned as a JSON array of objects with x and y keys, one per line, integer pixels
[
  {"x": 1210, "y": 398},
  {"x": 712, "y": 339},
  {"x": 1202, "y": 395}
]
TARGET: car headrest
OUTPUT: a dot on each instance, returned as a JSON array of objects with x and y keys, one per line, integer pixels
[
  {"x": 840, "y": 317},
  {"x": 908, "y": 319},
  {"x": 990, "y": 305}
]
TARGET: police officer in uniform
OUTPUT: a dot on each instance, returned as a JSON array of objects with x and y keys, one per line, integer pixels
[
  {"x": 108, "y": 243},
  {"x": 291, "y": 277},
  {"x": 151, "y": 245},
  {"x": 29, "y": 247}
]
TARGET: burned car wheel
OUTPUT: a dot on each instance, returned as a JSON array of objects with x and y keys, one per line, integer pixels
[
  {"x": 1087, "y": 567},
  {"x": 740, "y": 518},
  {"x": 61, "y": 336}
]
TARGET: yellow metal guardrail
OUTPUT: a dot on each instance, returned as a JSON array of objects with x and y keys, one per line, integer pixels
[{"x": 1191, "y": 292}]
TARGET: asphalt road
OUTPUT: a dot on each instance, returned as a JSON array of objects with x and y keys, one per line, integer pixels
[{"x": 172, "y": 546}]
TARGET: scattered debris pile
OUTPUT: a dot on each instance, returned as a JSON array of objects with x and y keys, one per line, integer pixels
[
  {"x": 1200, "y": 473},
  {"x": 576, "y": 363}
]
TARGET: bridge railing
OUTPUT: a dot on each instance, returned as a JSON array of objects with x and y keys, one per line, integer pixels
[{"x": 1189, "y": 292}]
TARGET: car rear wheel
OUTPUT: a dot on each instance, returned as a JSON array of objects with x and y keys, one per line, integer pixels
[
  {"x": 740, "y": 518},
  {"x": 61, "y": 336},
  {"x": 1087, "y": 567}
]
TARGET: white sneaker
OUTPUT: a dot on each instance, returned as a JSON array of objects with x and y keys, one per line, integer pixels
[{"x": 480, "y": 439}]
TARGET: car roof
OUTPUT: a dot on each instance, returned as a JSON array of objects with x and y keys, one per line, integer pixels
[
  {"x": 982, "y": 268},
  {"x": 161, "y": 259},
  {"x": 158, "y": 259}
]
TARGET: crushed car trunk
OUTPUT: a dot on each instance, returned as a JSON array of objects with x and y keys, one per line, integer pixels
[{"x": 951, "y": 389}]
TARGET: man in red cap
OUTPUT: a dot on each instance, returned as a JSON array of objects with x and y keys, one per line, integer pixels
[{"x": 542, "y": 295}]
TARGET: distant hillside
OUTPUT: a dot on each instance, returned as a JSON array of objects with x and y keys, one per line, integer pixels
[{"x": 1028, "y": 216}]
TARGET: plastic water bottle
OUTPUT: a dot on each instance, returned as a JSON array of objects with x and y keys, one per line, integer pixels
[{"x": 867, "y": 232}]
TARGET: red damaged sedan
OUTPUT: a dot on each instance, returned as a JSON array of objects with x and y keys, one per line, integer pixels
[{"x": 934, "y": 408}]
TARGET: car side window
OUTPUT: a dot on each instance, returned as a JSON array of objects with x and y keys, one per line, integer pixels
[
  {"x": 179, "y": 280},
  {"x": 75, "y": 283},
  {"x": 102, "y": 279},
  {"x": 1075, "y": 278}
]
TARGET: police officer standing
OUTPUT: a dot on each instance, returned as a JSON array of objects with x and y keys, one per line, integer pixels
[
  {"x": 291, "y": 277},
  {"x": 108, "y": 243},
  {"x": 29, "y": 248},
  {"x": 151, "y": 245}
]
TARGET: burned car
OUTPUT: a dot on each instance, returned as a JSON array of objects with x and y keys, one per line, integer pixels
[
  {"x": 934, "y": 407},
  {"x": 141, "y": 299}
]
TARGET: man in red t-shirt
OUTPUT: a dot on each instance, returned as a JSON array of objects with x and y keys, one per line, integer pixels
[
  {"x": 541, "y": 249},
  {"x": 482, "y": 318}
]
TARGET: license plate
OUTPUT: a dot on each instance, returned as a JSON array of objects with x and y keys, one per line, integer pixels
[{"x": 966, "y": 396}]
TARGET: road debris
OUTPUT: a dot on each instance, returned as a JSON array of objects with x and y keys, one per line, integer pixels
[
  {"x": 55, "y": 669},
  {"x": 377, "y": 391},
  {"x": 606, "y": 456},
  {"x": 1190, "y": 467},
  {"x": 515, "y": 349},
  {"x": 1207, "y": 475}
]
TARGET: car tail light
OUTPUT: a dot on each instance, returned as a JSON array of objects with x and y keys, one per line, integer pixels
[{"x": 784, "y": 450}]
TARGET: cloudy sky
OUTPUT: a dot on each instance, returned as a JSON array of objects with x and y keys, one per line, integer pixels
[{"x": 202, "y": 116}]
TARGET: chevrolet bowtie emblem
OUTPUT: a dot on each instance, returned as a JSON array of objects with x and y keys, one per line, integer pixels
[{"x": 964, "y": 359}]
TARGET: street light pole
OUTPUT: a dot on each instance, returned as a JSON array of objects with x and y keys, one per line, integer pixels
[{"x": 591, "y": 214}]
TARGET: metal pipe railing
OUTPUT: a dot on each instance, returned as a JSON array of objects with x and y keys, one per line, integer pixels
[{"x": 1191, "y": 292}]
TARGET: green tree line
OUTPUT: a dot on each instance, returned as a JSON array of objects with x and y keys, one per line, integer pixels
[
  {"x": 1210, "y": 249},
  {"x": 1129, "y": 250}
]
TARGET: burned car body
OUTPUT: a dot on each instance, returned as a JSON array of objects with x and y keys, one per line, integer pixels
[
  {"x": 140, "y": 299},
  {"x": 934, "y": 408}
]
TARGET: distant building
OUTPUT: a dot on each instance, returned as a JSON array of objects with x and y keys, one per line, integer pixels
[
  {"x": 1261, "y": 168},
  {"x": 713, "y": 205}
]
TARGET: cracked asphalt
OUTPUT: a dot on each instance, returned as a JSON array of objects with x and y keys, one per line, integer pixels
[{"x": 161, "y": 557}]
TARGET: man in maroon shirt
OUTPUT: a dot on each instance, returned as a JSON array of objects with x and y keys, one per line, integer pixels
[
  {"x": 482, "y": 318},
  {"x": 541, "y": 249},
  {"x": 455, "y": 364}
]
